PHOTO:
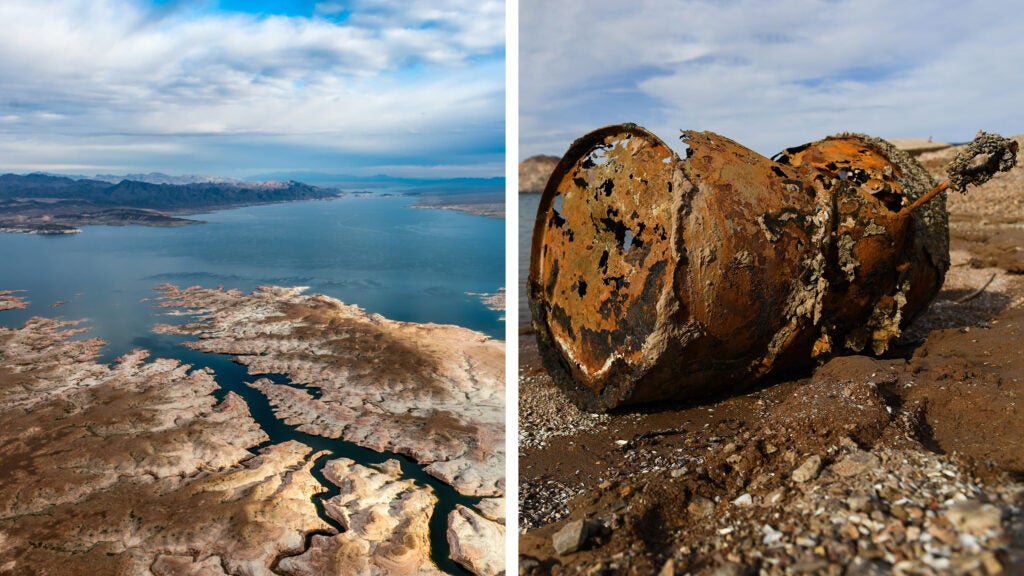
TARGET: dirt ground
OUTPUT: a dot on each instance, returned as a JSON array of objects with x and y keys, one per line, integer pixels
[{"x": 911, "y": 463}]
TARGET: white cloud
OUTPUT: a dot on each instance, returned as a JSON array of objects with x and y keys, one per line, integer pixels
[
  {"x": 74, "y": 69},
  {"x": 768, "y": 74}
]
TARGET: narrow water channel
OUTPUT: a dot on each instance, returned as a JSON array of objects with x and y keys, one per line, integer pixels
[{"x": 232, "y": 376}]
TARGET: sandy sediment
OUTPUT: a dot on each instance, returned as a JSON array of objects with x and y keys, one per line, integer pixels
[{"x": 9, "y": 300}]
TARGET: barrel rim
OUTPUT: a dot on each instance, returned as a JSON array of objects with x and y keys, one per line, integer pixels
[{"x": 585, "y": 396}]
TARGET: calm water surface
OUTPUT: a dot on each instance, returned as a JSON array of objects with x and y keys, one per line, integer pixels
[
  {"x": 407, "y": 264},
  {"x": 527, "y": 215}
]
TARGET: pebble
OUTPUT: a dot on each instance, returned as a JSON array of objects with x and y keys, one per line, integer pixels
[
  {"x": 808, "y": 470},
  {"x": 974, "y": 517},
  {"x": 743, "y": 500},
  {"x": 856, "y": 463},
  {"x": 771, "y": 535},
  {"x": 570, "y": 538},
  {"x": 700, "y": 507}
]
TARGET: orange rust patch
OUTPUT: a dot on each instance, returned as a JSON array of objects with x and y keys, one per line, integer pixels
[{"x": 606, "y": 253}]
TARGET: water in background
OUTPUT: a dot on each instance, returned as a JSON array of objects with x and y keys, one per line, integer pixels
[
  {"x": 527, "y": 215},
  {"x": 407, "y": 264}
]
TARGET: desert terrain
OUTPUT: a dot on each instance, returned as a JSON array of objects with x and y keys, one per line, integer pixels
[
  {"x": 909, "y": 463},
  {"x": 149, "y": 466}
]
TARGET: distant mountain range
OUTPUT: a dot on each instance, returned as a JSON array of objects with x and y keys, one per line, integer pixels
[
  {"x": 161, "y": 178},
  {"x": 50, "y": 204},
  {"x": 145, "y": 195},
  {"x": 348, "y": 180}
]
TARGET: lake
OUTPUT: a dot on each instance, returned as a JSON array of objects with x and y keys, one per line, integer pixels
[
  {"x": 527, "y": 216},
  {"x": 407, "y": 264}
]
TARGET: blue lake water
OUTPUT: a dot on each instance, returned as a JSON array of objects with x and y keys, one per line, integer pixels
[
  {"x": 407, "y": 264},
  {"x": 527, "y": 217}
]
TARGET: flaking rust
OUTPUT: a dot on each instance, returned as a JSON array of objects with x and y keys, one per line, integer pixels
[{"x": 654, "y": 277}]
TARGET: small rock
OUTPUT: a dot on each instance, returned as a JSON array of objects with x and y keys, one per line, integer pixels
[
  {"x": 528, "y": 566},
  {"x": 943, "y": 535},
  {"x": 850, "y": 531},
  {"x": 700, "y": 507},
  {"x": 808, "y": 470},
  {"x": 915, "y": 514},
  {"x": 743, "y": 500},
  {"x": 855, "y": 463},
  {"x": 898, "y": 512},
  {"x": 913, "y": 533},
  {"x": 857, "y": 502},
  {"x": 771, "y": 535},
  {"x": 570, "y": 538},
  {"x": 669, "y": 569},
  {"x": 974, "y": 517}
]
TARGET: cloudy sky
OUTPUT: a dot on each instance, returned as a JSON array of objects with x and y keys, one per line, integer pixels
[
  {"x": 238, "y": 87},
  {"x": 769, "y": 74}
]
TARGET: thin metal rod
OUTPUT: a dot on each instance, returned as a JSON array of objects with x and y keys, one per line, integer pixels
[{"x": 928, "y": 196}]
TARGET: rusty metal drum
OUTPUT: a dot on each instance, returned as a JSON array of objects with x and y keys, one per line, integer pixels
[{"x": 657, "y": 277}]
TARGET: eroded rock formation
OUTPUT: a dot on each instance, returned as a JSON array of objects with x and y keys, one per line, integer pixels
[
  {"x": 472, "y": 538},
  {"x": 137, "y": 468},
  {"x": 385, "y": 520},
  {"x": 434, "y": 393}
]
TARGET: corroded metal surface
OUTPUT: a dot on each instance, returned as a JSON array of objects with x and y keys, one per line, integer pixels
[
  {"x": 885, "y": 265},
  {"x": 603, "y": 255},
  {"x": 655, "y": 277}
]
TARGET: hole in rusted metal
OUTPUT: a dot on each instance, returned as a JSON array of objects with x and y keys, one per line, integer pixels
[
  {"x": 557, "y": 205},
  {"x": 598, "y": 156},
  {"x": 627, "y": 241}
]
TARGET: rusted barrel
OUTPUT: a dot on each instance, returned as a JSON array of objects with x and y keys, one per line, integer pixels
[{"x": 654, "y": 277}]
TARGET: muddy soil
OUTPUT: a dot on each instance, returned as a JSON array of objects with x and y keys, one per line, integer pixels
[{"x": 910, "y": 463}]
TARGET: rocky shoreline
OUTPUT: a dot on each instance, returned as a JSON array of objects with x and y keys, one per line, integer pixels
[
  {"x": 135, "y": 467},
  {"x": 905, "y": 464}
]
